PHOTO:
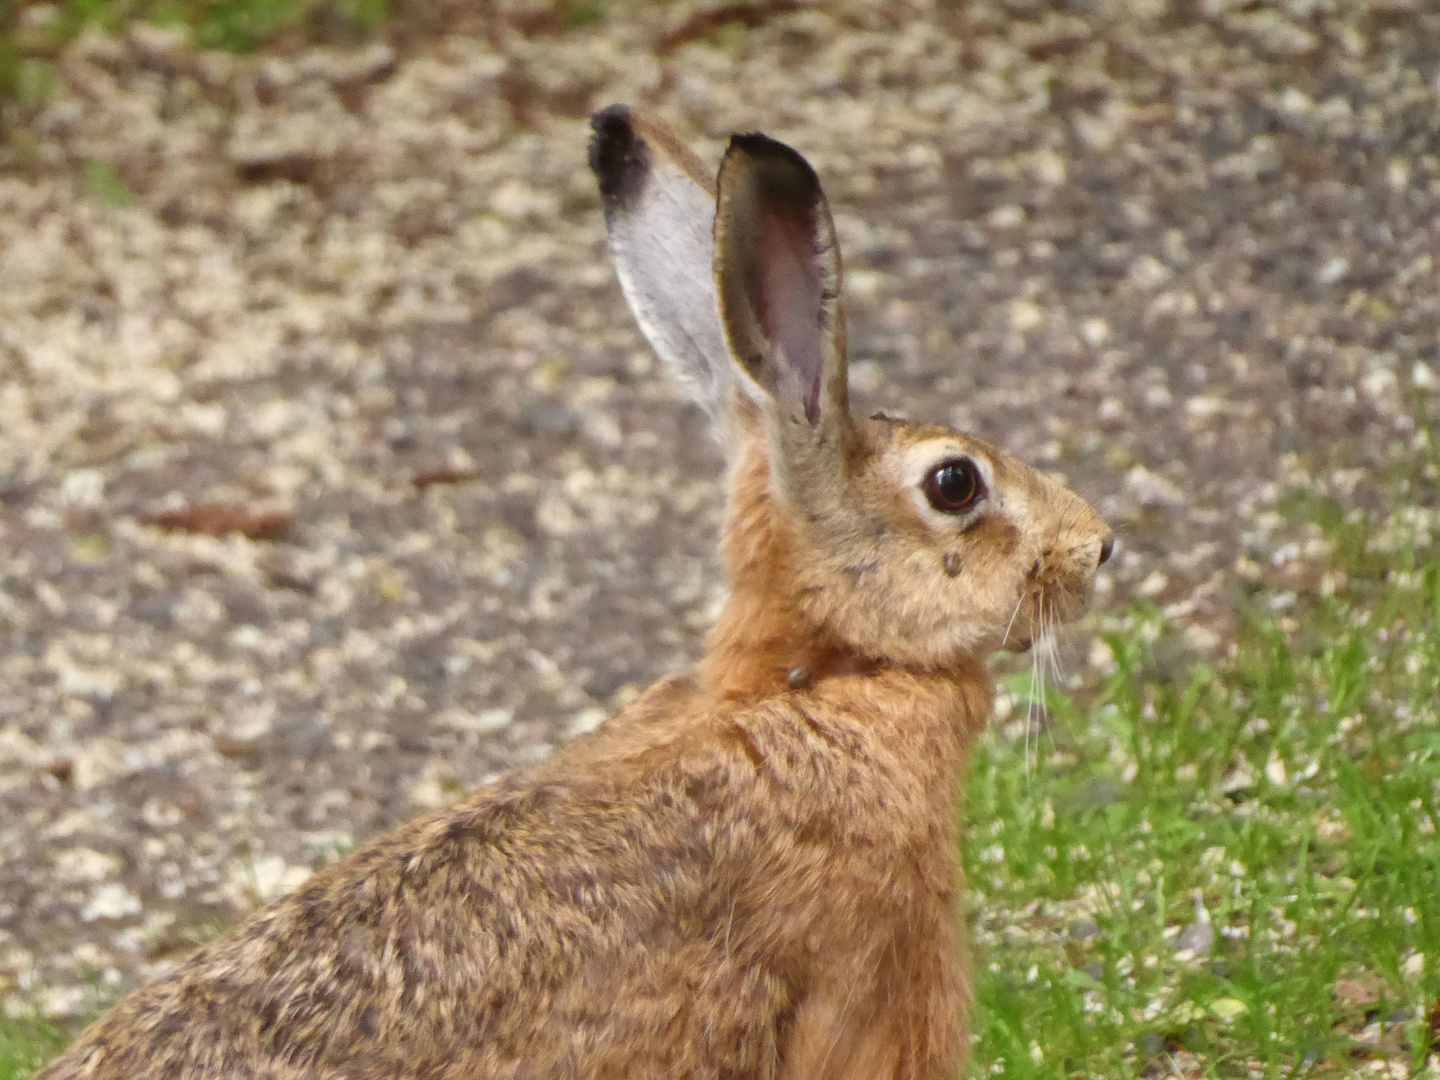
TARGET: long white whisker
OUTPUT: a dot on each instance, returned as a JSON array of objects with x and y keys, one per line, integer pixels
[
  {"x": 1030, "y": 716},
  {"x": 1018, "y": 601},
  {"x": 1045, "y": 639},
  {"x": 1057, "y": 665},
  {"x": 1047, "y": 646},
  {"x": 1042, "y": 641},
  {"x": 1035, "y": 712},
  {"x": 1029, "y": 713}
]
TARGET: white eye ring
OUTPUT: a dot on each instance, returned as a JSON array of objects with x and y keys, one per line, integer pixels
[
  {"x": 954, "y": 486},
  {"x": 911, "y": 467}
]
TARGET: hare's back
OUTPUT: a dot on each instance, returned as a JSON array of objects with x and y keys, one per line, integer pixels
[{"x": 575, "y": 917}]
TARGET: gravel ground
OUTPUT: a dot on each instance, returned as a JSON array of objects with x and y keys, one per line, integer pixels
[{"x": 1182, "y": 254}]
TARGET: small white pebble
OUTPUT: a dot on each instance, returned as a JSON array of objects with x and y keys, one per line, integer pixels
[
  {"x": 1025, "y": 316},
  {"x": 1095, "y": 332},
  {"x": 1154, "y": 584},
  {"x": 83, "y": 488},
  {"x": 586, "y": 720},
  {"x": 110, "y": 901},
  {"x": 483, "y": 722},
  {"x": 1275, "y": 770},
  {"x": 1006, "y": 217},
  {"x": 1334, "y": 269}
]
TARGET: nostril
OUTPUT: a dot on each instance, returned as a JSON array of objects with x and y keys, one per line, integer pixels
[{"x": 1106, "y": 550}]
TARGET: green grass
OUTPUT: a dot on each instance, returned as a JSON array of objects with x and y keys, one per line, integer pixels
[
  {"x": 27, "y": 1044},
  {"x": 31, "y": 32},
  {"x": 235, "y": 25},
  {"x": 1287, "y": 797}
]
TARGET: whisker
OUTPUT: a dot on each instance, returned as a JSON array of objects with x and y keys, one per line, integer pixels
[
  {"x": 1046, "y": 652},
  {"x": 1030, "y": 716},
  {"x": 1018, "y": 601},
  {"x": 1035, "y": 711},
  {"x": 1052, "y": 639},
  {"x": 1042, "y": 655},
  {"x": 1090, "y": 491},
  {"x": 1056, "y": 659}
]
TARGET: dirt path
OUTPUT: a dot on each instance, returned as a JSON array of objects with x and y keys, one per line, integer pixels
[{"x": 1184, "y": 255}]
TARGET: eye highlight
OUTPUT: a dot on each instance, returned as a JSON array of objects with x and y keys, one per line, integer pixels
[{"x": 954, "y": 486}]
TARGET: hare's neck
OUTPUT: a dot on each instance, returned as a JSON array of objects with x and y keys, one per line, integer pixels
[
  {"x": 756, "y": 650},
  {"x": 761, "y": 645}
]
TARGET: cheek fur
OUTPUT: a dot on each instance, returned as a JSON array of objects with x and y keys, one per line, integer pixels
[{"x": 993, "y": 535}]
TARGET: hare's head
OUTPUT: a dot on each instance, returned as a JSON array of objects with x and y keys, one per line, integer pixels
[{"x": 898, "y": 541}]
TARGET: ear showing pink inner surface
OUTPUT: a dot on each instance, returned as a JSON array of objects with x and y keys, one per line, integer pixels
[
  {"x": 779, "y": 278},
  {"x": 789, "y": 303}
]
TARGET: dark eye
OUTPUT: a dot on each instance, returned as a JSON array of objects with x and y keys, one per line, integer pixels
[{"x": 954, "y": 486}]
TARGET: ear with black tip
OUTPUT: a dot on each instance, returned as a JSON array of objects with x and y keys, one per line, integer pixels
[
  {"x": 777, "y": 268},
  {"x": 659, "y": 210}
]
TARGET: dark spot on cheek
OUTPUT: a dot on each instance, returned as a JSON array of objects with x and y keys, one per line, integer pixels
[
  {"x": 952, "y": 564},
  {"x": 990, "y": 533}
]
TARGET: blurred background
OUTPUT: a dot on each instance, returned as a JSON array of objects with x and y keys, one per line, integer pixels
[{"x": 335, "y": 476}]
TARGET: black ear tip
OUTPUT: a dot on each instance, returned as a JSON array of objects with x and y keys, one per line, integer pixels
[
  {"x": 618, "y": 155},
  {"x": 610, "y": 119},
  {"x": 781, "y": 170},
  {"x": 757, "y": 144}
]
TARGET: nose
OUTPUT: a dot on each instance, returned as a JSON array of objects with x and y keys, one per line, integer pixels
[{"x": 1107, "y": 549}]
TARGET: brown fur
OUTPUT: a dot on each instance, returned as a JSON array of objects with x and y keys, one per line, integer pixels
[{"x": 750, "y": 873}]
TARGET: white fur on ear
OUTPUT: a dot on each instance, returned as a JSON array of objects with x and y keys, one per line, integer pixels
[{"x": 660, "y": 211}]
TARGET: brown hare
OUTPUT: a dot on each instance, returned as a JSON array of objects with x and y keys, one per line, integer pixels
[{"x": 752, "y": 871}]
